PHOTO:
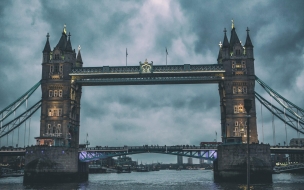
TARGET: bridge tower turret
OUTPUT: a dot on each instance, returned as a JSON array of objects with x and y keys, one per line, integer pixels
[
  {"x": 59, "y": 124},
  {"x": 238, "y": 84}
]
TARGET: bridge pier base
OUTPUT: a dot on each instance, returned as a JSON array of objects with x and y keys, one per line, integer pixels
[
  {"x": 231, "y": 164},
  {"x": 44, "y": 164}
]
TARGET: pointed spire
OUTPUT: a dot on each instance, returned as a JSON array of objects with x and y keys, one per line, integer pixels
[
  {"x": 225, "y": 41},
  {"x": 79, "y": 59},
  {"x": 47, "y": 47},
  {"x": 248, "y": 40},
  {"x": 69, "y": 45},
  {"x": 63, "y": 40},
  {"x": 234, "y": 37}
]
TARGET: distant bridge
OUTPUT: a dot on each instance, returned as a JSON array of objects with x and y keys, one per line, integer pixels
[{"x": 288, "y": 168}]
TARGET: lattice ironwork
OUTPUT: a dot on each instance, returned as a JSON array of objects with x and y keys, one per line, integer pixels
[
  {"x": 215, "y": 67},
  {"x": 290, "y": 120},
  {"x": 7, "y": 128},
  {"x": 289, "y": 106},
  {"x": 89, "y": 154},
  {"x": 13, "y": 106}
]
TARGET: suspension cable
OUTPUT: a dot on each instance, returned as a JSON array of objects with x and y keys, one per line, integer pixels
[
  {"x": 18, "y": 136},
  {"x": 24, "y": 133},
  {"x": 285, "y": 127},
  {"x": 29, "y": 131},
  {"x": 13, "y": 138},
  {"x": 262, "y": 123},
  {"x": 273, "y": 126},
  {"x": 25, "y": 124},
  {"x": 273, "y": 129}
]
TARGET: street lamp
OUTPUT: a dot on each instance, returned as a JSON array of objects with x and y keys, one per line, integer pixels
[{"x": 248, "y": 105}]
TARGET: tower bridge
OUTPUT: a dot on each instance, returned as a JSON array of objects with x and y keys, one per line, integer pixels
[{"x": 63, "y": 77}]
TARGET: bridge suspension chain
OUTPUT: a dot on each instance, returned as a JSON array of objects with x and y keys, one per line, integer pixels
[
  {"x": 13, "y": 106},
  {"x": 289, "y": 106},
  {"x": 290, "y": 120},
  {"x": 9, "y": 127}
]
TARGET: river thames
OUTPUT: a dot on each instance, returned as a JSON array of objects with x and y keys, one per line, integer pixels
[{"x": 163, "y": 180}]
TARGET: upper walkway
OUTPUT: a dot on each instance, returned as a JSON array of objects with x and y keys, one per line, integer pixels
[{"x": 147, "y": 73}]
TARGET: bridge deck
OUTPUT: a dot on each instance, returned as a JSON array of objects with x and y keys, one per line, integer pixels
[{"x": 159, "y": 149}]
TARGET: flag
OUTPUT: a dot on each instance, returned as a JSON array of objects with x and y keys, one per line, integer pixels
[
  {"x": 215, "y": 133},
  {"x": 166, "y": 51},
  {"x": 126, "y": 52}
]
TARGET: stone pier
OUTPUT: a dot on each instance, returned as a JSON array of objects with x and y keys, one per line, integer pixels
[
  {"x": 231, "y": 164},
  {"x": 45, "y": 164}
]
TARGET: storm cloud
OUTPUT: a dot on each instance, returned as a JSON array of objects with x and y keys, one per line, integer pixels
[{"x": 190, "y": 30}]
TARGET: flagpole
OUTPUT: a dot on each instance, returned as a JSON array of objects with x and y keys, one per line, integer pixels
[
  {"x": 166, "y": 55},
  {"x": 126, "y": 56}
]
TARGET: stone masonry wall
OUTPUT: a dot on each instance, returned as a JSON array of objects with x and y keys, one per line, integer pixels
[
  {"x": 234, "y": 157},
  {"x": 51, "y": 159}
]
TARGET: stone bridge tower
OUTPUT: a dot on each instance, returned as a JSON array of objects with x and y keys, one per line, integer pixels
[
  {"x": 57, "y": 161},
  {"x": 60, "y": 110},
  {"x": 239, "y": 83}
]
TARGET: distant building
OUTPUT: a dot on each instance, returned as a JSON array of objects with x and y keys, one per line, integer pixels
[
  {"x": 190, "y": 161},
  {"x": 108, "y": 162},
  {"x": 125, "y": 160},
  {"x": 296, "y": 142},
  {"x": 296, "y": 157},
  {"x": 179, "y": 160}
]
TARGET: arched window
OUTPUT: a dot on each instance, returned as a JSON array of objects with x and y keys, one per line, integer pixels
[
  {"x": 60, "y": 93},
  {"x": 55, "y": 93},
  {"x": 50, "y": 93}
]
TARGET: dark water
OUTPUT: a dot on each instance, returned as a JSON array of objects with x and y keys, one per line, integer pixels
[{"x": 164, "y": 179}]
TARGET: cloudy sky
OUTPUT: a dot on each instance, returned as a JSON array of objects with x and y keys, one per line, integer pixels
[{"x": 191, "y": 31}]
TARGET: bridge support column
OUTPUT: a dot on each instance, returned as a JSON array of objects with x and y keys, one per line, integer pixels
[
  {"x": 45, "y": 164},
  {"x": 231, "y": 162}
]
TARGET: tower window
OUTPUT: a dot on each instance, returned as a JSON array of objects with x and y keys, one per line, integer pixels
[
  {"x": 234, "y": 90},
  {"x": 239, "y": 89},
  {"x": 243, "y": 64},
  {"x": 236, "y": 109},
  {"x": 50, "y": 113},
  {"x": 55, "y": 93},
  {"x": 56, "y": 69},
  {"x": 236, "y": 123},
  {"x": 61, "y": 68},
  {"x": 241, "y": 109},
  {"x": 55, "y": 112},
  {"x": 245, "y": 89},
  {"x": 49, "y": 128},
  {"x": 60, "y": 93},
  {"x": 58, "y": 128},
  {"x": 51, "y": 68},
  {"x": 50, "y": 93}
]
